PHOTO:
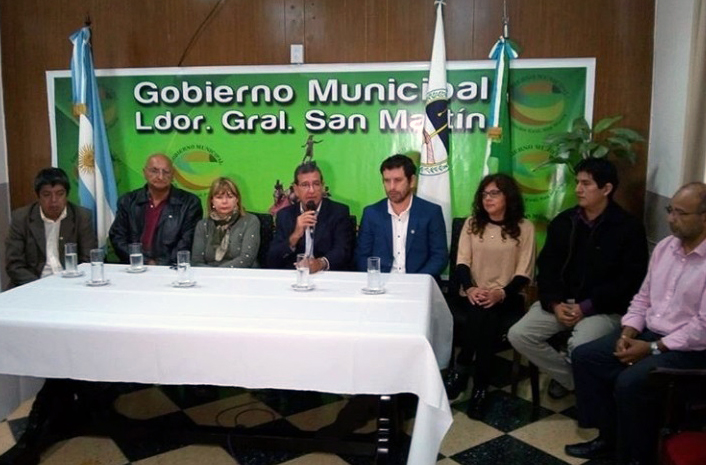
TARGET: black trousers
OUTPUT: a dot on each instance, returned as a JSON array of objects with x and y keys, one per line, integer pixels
[
  {"x": 481, "y": 333},
  {"x": 616, "y": 398}
]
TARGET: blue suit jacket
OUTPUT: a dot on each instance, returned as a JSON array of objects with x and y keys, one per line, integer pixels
[
  {"x": 426, "y": 250},
  {"x": 333, "y": 236}
]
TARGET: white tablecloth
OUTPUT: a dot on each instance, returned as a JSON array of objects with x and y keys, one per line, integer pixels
[{"x": 244, "y": 328}]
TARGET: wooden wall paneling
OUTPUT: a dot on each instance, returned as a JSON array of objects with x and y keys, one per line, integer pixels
[
  {"x": 459, "y": 26},
  {"x": 294, "y": 24},
  {"x": 376, "y": 34},
  {"x": 410, "y": 30},
  {"x": 335, "y": 31},
  {"x": 244, "y": 33}
]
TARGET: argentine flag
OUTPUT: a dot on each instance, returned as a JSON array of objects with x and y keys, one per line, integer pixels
[{"x": 96, "y": 188}]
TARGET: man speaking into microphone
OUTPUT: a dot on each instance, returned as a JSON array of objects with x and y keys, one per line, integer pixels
[{"x": 316, "y": 226}]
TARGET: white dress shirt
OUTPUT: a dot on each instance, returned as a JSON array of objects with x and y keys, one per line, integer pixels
[
  {"x": 399, "y": 236},
  {"x": 51, "y": 232}
]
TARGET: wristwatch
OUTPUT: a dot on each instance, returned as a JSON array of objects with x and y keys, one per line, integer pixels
[{"x": 654, "y": 348}]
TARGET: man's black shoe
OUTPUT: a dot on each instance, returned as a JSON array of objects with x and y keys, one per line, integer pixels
[
  {"x": 599, "y": 448},
  {"x": 455, "y": 383},
  {"x": 556, "y": 391},
  {"x": 476, "y": 406}
]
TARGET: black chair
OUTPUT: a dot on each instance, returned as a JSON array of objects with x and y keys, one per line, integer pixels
[
  {"x": 454, "y": 302},
  {"x": 682, "y": 438},
  {"x": 267, "y": 232}
]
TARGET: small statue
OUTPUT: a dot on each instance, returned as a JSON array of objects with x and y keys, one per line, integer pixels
[{"x": 309, "y": 153}]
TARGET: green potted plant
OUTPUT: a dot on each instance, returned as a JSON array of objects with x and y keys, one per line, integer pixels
[{"x": 583, "y": 142}]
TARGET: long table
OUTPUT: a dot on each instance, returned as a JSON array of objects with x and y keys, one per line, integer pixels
[{"x": 237, "y": 327}]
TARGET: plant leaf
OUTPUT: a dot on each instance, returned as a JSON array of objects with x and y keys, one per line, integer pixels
[
  {"x": 605, "y": 123},
  {"x": 629, "y": 134},
  {"x": 600, "y": 151}
]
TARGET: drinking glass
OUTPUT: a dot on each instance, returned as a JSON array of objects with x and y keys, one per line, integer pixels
[
  {"x": 183, "y": 267},
  {"x": 70, "y": 259},
  {"x": 302, "y": 271},
  {"x": 97, "y": 256},
  {"x": 136, "y": 259},
  {"x": 374, "y": 276}
]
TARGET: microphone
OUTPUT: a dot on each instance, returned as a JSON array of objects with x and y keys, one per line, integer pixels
[{"x": 310, "y": 206}]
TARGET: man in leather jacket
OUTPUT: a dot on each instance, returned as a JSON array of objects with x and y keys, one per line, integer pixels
[{"x": 160, "y": 216}]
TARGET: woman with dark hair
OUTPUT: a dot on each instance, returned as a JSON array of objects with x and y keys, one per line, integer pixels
[
  {"x": 495, "y": 261},
  {"x": 228, "y": 236}
]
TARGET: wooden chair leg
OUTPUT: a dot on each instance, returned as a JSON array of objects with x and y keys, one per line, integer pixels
[
  {"x": 515, "y": 373},
  {"x": 534, "y": 383}
]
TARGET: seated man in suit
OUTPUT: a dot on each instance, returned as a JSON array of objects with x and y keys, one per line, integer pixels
[
  {"x": 316, "y": 226},
  {"x": 160, "y": 216},
  {"x": 38, "y": 231},
  {"x": 407, "y": 233}
]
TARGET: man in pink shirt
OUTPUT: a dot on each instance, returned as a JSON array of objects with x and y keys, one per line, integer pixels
[{"x": 665, "y": 326}]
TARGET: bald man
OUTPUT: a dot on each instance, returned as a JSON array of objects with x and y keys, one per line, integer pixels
[
  {"x": 160, "y": 216},
  {"x": 665, "y": 326}
]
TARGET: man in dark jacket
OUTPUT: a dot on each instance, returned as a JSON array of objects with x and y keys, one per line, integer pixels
[
  {"x": 319, "y": 227},
  {"x": 592, "y": 263},
  {"x": 160, "y": 216},
  {"x": 38, "y": 231}
]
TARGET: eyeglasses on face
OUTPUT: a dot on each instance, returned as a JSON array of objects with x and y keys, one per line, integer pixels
[
  {"x": 678, "y": 212},
  {"x": 494, "y": 194},
  {"x": 157, "y": 172},
  {"x": 316, "y": 185}
]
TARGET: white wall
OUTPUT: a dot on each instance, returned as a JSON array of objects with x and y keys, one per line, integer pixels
[{"x": 672, "y": 45}]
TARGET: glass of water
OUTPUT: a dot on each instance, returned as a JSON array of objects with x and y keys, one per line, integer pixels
[
  {"x": 97, "y": 256},
  {"x": 136, "y": 259},
  {"x": 70, "y": 259},
  {"x": 374, "y": 276},
  {"x": 302, "y": 271},
  {"x": 183, "y": 267}
]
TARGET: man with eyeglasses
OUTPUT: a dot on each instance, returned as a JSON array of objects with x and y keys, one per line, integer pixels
[
  {"x": 665, "y": 326},
  {"x": 316, "y": 226},
  {"x": 34, "y": 247},
  {"x": 592, "y": 263},
  {"x": 407, "y": 233},
  {"x": 158, "y": 215}
]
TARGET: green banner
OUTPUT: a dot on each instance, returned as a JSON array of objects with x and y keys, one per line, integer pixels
[{"x": 255, "y": 125}]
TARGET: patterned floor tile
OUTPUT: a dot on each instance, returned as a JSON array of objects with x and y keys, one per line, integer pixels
[
  {"x": 291, "y": 402},
  {"x": 138, "y": 449},
  {"x": 7, "y": 439},
  {"x": 260, "y": 457},
  {"x": 241, "y": 410},
  {"x": 84, "y": 451},
  {"x": 191, "y": 396},
  {"x": 17, "y": 426},
  {"x": 314, "y": 419},
  {"x": 191, "y": 455},
  {"x": 144, "y": 404},
  {"x": 524, "y": 391},
  {"x": 466, "y": 433},
  {"x": 317, "y": 459},
  {"x": 505, "y": 450},
  {"x": 22, "y": 411},
  {"x": 447, "y": 461},
  {"x": 551, "y": 434},
  {"x": 507, "y": 413}
]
